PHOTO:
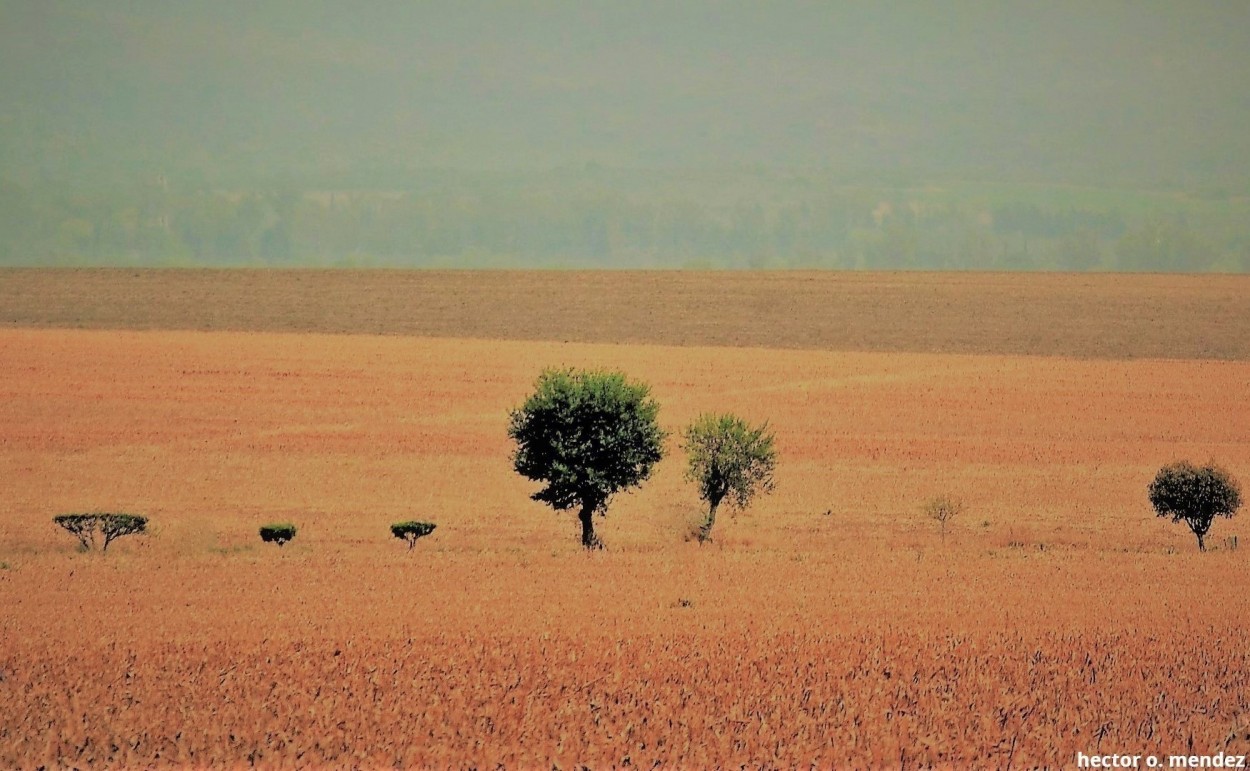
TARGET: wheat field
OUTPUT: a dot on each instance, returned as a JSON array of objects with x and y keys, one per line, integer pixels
[{"x": 829, "y": 625}]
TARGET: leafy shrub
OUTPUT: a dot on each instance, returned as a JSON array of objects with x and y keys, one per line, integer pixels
[
  {"x": 278, "y": 533},
  {"x": 410, "y": 531}
]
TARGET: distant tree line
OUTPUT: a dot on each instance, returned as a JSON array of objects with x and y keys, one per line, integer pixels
[{"x": 706, "y": 224}]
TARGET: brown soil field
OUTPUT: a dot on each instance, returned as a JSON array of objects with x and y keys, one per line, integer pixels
[
  {"x": 827, "y": 626},
  {"x": 1076, "y": 315}
]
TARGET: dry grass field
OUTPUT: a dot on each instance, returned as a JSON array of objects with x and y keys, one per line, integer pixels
[{"x": 827, "y": 626}]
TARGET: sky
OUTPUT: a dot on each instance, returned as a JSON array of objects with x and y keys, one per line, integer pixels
[{"x": 1109, "y": 92}]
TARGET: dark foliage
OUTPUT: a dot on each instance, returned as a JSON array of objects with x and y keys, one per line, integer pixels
[
  {"x": 1195, "y": 495},
  {"x": 410, "y": 531},
  {"x": 81, "y": 526},
  {"x": 110, "y": 526},
  {"x": 588, "y": 435},
  {"x": 278, "y": 533},
  {"x": 114, "y": 526}
]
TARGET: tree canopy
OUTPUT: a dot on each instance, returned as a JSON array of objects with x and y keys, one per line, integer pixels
[
  {"x": 728, "y": 459},
  {"x": 1195, "y": 495},
  {"x": 587, "y": 435},
  {"x": 110, "y": 526},
  {"x": 412, "y": 530},
  {"x": 277, "y": 532}
]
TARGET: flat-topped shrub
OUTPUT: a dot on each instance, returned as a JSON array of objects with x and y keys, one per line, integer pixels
[
  {"x": 278, "y": 533},
  {"x": 410, "y": 531},
  {"x": 114, "y": 526},
  {"x": 81, "y": 526},
  {"x": 110, "y": 526}
]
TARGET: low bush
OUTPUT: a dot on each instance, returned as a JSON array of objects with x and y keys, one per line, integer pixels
[{"x": 278, "y": 533}]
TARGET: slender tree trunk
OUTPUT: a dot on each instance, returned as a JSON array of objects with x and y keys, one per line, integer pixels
[
  {"x": 1201, "y": 532},
  {"x": 587, "y": 514},
  {"x": 705, "y": 530}
]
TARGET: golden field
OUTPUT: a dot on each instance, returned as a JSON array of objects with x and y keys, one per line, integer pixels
[{"x": 827, "y": 626}]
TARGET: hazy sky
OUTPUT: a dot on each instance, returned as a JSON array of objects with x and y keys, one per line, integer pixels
[{"x": 1136, "y": 91}]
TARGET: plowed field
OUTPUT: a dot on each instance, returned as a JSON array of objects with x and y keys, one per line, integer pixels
[
  {"x": 1118, "y": 316},
  {"x": 828, "y": 625}
]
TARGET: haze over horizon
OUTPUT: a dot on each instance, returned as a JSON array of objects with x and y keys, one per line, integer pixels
[{"x": 629, "y": 100}]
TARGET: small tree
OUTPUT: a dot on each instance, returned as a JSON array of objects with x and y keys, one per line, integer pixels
[
  {"x": 728, "y": 459},
  {"x": 278, "y": 533},
  {"x": 943, "y": 509},
  {"x": 410, "y": 531},
  {"x": 1196, "y": 495},
  {"x": 588, "y": 435},
  {"x": 110, "y": 526}
]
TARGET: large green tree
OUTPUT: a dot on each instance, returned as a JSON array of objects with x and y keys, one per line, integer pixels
[
  {"x": 728, "y": 459},
  {"x": 1195, "y": 495},
  {"x": 588, "y": 435}
]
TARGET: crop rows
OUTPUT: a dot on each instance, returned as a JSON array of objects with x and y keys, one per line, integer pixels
[{"x": 797, "y": 699}]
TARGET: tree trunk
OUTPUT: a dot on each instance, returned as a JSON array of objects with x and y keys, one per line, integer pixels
[
  {"x": 589, "y": 539},
  {"x": 705, "y": 530},
  {"x": 1201, "y": 532}
]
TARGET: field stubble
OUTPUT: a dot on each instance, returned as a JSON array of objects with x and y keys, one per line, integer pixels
[{"x": 827, "y": 624}]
